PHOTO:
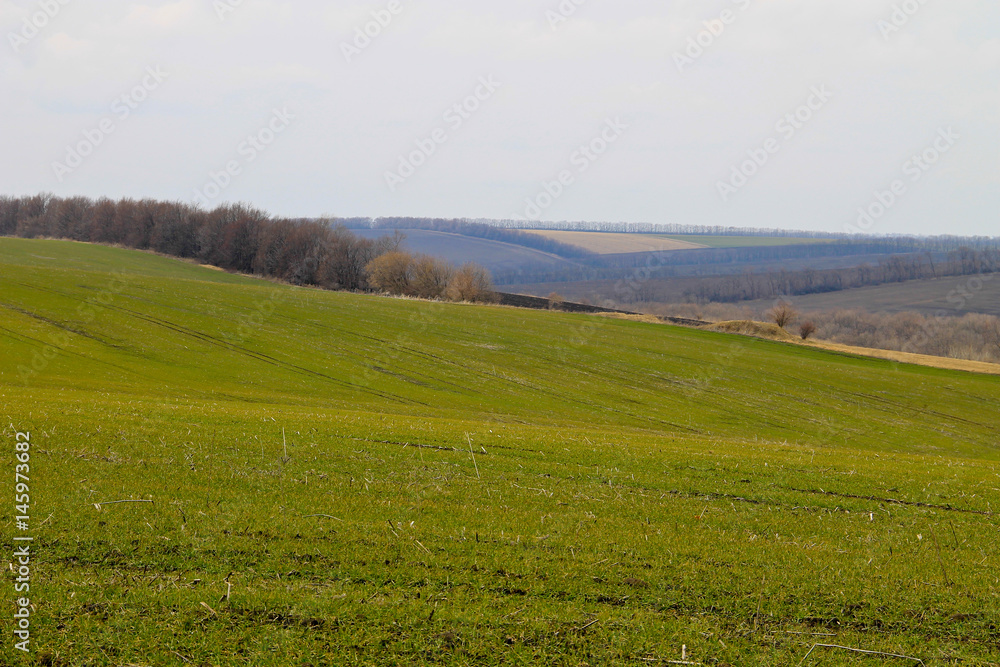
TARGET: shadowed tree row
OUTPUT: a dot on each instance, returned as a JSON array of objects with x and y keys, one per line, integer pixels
[{"x": 240, "y": 238}]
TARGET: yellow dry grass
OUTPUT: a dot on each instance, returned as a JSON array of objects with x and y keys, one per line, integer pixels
[
  {"x": 610, "y": 243},
  {"x": 774, "y": 332},
  {"x": 910, "y": 358},
  {"x": 649, "y": 319},
  {"x": 750, "y": 328}
]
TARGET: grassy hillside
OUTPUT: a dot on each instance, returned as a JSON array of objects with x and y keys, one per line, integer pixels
[{"x": 475, "y": 485}]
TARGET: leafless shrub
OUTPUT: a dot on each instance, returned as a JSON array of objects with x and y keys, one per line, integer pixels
[
  {"x": 430, "y": 277},
  {"x": 471, "y": 283},
  {"x": 782, "y": 314},
  {"x": 808, "y": 328},
  {"x": 972, "y": 336},
  {"x": 392, "y": 272}
]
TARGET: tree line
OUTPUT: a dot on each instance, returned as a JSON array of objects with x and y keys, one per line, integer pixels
[
  {"x": 482, "y": 229},
  {"x": 973, "y": 336},
  {"x": 751, "y": 286},
  {"x": 464, "y": 225},
  {"x": 718, "y": 261},
  {"x": 490, "y": 232},
  {"x": 426, "y": 277},
  {"x": 235, "y": 237}
]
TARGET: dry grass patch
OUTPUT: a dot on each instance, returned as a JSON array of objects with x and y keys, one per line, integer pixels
[
  {"x": 910, "y": 358},
  {"x": 608, "y": 243},
  {"x": 751, "y": 328}
]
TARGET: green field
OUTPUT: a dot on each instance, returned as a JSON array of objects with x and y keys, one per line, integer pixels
[
  {"x": 740, "y": 241},
  {"x": 474, "y": 485}
]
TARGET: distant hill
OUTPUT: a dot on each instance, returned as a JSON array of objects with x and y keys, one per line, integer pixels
[
  {"x": 496, "y": 256},
  {"x": 956, "y": 295}
]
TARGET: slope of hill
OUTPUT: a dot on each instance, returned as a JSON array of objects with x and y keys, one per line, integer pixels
[
  {"x": 458, "y": 249},
  {"x": 743, "y": 241},
  {"x": 952, "y": 296},
  {"x": 353, "y": 479},
  {"x": 623, "y": 242},
  {"x": 607, "y": 243}
]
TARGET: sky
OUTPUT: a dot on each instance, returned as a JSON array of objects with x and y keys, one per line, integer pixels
[{"x": 864, "y": 116}]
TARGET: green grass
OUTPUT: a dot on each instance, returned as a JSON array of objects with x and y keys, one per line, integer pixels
[
  {"x": 635, "y": 487},
  {"x": 739, "y": 241}
]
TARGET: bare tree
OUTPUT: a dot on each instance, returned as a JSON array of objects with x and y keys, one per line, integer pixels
[
  {"x": 993, "y": 335},
  {"x": 391, "y": 272},
  {"x": 8, "y": 214},
  {"x": 472, "y": 283},
  {"x": 782, "y": 314},
  {"x": 807, "y": 329},
  {"x": 556, "y": 301},
  {"x": 430, "y": 277}
]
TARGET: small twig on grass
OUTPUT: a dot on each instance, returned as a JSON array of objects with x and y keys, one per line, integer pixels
[
  {"x": 584, "y": 627},
  {"x": 513, "y": 613},
  {"x": 473, "y": 456},
  {"x": 284, "y": 444},
  {"x": 760, "y": 599},
  {"x": 209, "y": 608},
  {"x": 229, "y": 589},
  {"x": 859, "y": 650},
  {"x": 325, "y": 516},
  {"x": 115, "y": 502}
]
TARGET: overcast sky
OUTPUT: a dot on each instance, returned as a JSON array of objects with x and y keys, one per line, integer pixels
[{"x": 160, "y": 99}]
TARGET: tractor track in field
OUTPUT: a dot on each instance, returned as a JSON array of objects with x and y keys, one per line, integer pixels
[
  {"x": 18, "y": 335},
  {"x": 60, "y": 325},
  {"x": 899, "y": 406},
  {"x": 439, "y": 448},
  {"x": 889, "y": 501},
  {"x": 259, "y": 356},
  {"x": 893, "y": 407},
  {"x": 535, "y": 387}
]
